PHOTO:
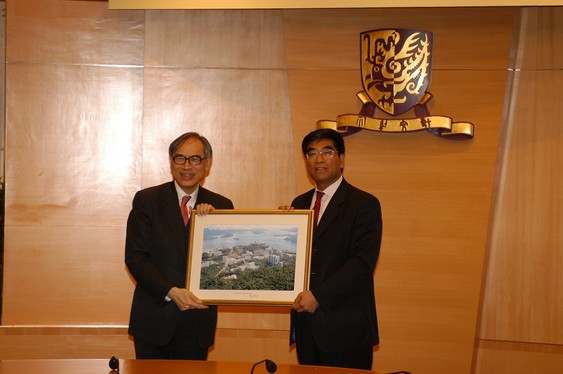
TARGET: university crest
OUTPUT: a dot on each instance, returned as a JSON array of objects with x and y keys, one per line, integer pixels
[
  {"x": 395, "y": 67},
  {"x": 396, "y": 71}
]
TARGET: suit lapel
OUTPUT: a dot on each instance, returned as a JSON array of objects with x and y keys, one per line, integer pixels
[
  {"x": 304, "y": 201},
  {"x": 202, "y": 196},
  {"x": 173, "y": 217},
  {"x": 333, "y": 209}
]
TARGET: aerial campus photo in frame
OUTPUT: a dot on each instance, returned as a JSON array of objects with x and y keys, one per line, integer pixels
[{"x": 249, "y": 257}]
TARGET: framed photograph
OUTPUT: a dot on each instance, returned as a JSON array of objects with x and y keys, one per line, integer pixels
[{"x": 249, "y": 257}]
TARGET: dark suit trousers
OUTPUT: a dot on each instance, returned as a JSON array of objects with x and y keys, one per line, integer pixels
[
  {"x": 183, "y": 345},
  {"x": 309, "y": 354}
]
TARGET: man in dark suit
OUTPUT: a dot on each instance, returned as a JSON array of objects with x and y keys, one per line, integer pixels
[
  {"x": 167, "y": 320},
  {"x": 334, "y": 323}
]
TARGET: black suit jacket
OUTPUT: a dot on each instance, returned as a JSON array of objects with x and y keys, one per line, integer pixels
[
  {"x": 156, "y": 254},
  {"x": 344, "y": 255}
]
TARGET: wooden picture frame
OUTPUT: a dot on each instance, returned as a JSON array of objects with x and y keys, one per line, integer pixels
[{"x": 249, "y": 257}]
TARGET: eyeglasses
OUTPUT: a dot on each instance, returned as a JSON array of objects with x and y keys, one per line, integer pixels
[
  {"x": 328, "y": 153},
  {"x": 193, "y": 160}
]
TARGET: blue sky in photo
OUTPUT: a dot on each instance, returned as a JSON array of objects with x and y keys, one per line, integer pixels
[{"x": 282, "y": 237}]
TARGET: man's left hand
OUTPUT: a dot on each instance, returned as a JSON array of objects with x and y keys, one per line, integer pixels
[
  {"x": 305, "y": 302},
  {"x": 203, "y": 208}
]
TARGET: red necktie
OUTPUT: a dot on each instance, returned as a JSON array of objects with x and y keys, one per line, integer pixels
[
  {"x": 184, "y": 208},
  {"x": 317, "y": 207}
]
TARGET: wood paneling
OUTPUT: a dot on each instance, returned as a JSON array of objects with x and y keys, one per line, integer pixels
[
  {"x": 251, "y": 39},
  {"x": 538, "y": 40},
  {"x": 244, "y": 344},
  {"x": 521, "y": 328},
  {"x": 73, "y": 32},
  {"x": 94, "y": 97},
  {"x": 463, "y": 38},
  {"x": 64, "y": 342},
  {"x": 500, "y": 357},
  {"x": 73, "y": 144},
  {"x": 55, "y": 275},
  {"x": 524, "y": 281},
  {"x": 523, "y": 294}
]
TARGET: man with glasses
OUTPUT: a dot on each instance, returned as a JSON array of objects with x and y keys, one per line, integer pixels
[
  {"x": 167, "y": 320},
  {"x": 334, "y": 323}
]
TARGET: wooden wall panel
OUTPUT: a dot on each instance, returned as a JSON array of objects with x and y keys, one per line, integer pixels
[
  {"x": 74, "y": 32},
  {"x": 521, "y": 328},
  {"x": 71, "y": 144},
  {"x": 57, "y": 276},
  {"x": 502, "y": 357},
  {"x": 249, "y": 345},
  {"x": 64, "y": 342},
  {"x": 524, "y": 283},
  {"x": 538, "y": 39},
  {"x": 251, "y": 39},
  {"x": 71, "y": 168},
  {"x": 523, "y": 292},
  {"x": 468, "y": 38},
  {"x": 121, "y": 84}
]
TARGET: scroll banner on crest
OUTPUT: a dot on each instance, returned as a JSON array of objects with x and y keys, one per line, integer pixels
[
  {"x": 438, "y": 125},
  {"x": 442, "y": 126}
]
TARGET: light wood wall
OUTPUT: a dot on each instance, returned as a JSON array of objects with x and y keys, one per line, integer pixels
[
  {"x": 95, "y": 96},
  {"x": 521, "y": 329}
]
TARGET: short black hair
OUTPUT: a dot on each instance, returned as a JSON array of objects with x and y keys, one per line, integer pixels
[
  {"x": 177, "y": 143},
  {"x": 321, "y": 134}
]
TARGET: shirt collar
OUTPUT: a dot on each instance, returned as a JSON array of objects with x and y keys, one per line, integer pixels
[
  {"x": 331, "y": 190},
  {"x": 181, "y": 193}
]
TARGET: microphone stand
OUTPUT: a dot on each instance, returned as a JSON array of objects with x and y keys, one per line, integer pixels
[{"x": 270, "y": 366}]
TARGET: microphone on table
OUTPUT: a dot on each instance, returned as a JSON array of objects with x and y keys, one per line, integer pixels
[
  {"x": 114, "y": 364},
  {"x": 270, "y": 366}
]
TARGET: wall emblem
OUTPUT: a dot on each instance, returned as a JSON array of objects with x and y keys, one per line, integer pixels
[{"x": 396, "y": 70}]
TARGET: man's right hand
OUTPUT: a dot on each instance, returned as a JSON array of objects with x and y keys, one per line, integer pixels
[{"x": 185, "y": 299}]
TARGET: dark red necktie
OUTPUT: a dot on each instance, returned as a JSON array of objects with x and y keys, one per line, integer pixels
[
  {"x": 184, "y": 208},
  {"x": 317, "y": 207}
]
